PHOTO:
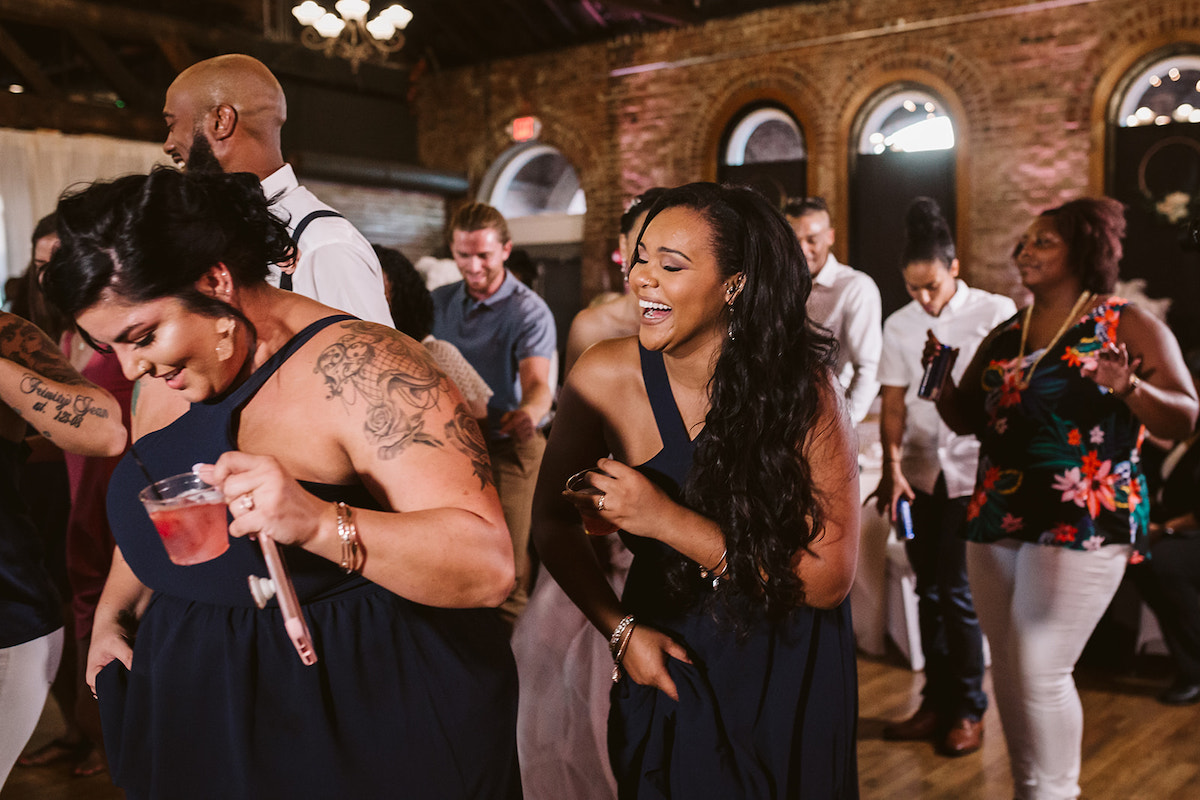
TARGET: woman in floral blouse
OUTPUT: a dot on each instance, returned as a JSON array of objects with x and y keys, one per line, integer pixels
[{"x": 1060, "y": 397}]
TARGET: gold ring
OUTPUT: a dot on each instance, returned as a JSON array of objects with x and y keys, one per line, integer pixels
[{"x": 600, "y": 503}]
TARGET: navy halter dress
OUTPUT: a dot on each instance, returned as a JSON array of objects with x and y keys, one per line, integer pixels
[
  {"x": 770, "y": 714},
  {"x": 405, "y": 701}
]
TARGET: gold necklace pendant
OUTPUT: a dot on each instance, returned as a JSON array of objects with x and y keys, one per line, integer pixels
[{"x": 1085, "y": 299}]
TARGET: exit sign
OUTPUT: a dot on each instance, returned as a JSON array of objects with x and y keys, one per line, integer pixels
[{"x": 525, "y": 129}]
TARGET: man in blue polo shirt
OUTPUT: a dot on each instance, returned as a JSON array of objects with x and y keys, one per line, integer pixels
[{"x": 507, "y": 334}]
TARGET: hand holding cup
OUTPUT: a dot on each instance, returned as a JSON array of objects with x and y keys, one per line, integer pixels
[{"x": 589, "y": 501}]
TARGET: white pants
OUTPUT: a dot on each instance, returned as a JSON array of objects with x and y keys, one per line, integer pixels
[
  {"x": 1038, "y": 605},
  {"x": 26, "y": 672}
]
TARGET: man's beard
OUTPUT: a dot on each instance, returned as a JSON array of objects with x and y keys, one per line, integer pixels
[{"x": 201, "y": 157}]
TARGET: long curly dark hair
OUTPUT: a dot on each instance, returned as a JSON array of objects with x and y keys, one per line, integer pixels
[
  {"x": 144, "y": 237},
  {"x": 749, "y": 473}
]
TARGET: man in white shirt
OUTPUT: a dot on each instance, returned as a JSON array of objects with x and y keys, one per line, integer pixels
[
  {"x": 226, "y": 114},
  {"x": 934, "y": 468},
  {"x": 844, "y": 301}
]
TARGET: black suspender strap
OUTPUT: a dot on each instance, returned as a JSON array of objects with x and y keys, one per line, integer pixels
[{"x": 285, "y": 279}]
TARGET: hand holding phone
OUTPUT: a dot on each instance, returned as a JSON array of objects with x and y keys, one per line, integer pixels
[{"x": 280, "y": 585}]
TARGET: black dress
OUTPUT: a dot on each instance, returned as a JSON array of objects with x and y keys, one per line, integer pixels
[
  {"x": 405, "y": 701},
  {"x": 770, "y": 714},
  {"x": 30, "y": 607}
]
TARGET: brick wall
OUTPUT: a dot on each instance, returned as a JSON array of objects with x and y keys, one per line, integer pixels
[{"x": 1030, "y": 83}]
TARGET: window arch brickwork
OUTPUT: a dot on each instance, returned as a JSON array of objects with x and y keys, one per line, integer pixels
[
  {"x": 1139, "y": 31},
  {"x": 959, "y": 84}
]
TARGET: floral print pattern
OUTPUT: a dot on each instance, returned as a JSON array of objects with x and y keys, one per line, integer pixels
[{"x": 1059, "y": 461}]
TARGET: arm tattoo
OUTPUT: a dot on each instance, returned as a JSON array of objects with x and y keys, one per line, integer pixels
[
  {"x": 23, "y": 343},
  {"x": 463, "y": 432},
  {"x": 397, "y": 384},
  {"x": 69, "y": 409}
]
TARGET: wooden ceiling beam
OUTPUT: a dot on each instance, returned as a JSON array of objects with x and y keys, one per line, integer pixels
[
  {"x": 29, "y": 69},
  {"x": 30, "y": 111},
  {"x": 536, "y": 30},
  {"x": 563, "y": 19},
  {"x": 129, "y": 88},
  {"x": 433, "y": 19},
  {"x": 291, "y": 59},
  {"x": 475, "y": 30},
  {"x": 673, "y": 15},
  {"x": 177, "y": 52}
]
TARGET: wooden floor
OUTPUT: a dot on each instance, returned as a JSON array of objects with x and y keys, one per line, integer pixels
[{"x": 1133, "y": 747}]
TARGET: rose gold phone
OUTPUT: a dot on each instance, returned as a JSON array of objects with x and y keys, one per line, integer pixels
[{"x": 280, "y": 585}]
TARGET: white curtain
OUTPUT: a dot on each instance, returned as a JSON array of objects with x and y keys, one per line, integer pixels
[{"x": 37, "y": 166}]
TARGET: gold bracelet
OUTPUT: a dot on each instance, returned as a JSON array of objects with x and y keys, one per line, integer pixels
[
  {"x": 348, "y": 533},
  {"x": 722, "y": 565},
  {"x": 1134, "y": 382}
]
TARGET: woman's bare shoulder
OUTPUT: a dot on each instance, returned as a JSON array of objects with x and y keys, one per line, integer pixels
[{"x": 607, "y": 360}]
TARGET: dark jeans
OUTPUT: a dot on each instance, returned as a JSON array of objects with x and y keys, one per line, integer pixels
[
  {"x": 950, "y": 636},
  {"x": 1170, "y": 583}
]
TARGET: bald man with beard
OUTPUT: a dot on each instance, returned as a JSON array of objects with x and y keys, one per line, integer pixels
[{"x": 225, "y": 114}]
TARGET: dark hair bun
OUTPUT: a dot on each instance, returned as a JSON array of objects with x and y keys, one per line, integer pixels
[{"x": 927, "y": 234}]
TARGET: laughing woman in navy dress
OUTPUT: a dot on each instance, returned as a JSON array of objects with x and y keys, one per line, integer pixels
[
  {"x": 301, "y": 409},
  {"x": 735, "y": 654}
]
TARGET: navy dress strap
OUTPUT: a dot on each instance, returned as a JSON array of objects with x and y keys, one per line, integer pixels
[
  {"x": 285, "y": 279},
  {"x": 671, "y": 429},
  {"x": 669, "y": 467},
  {"x": 248, "y": 389}
]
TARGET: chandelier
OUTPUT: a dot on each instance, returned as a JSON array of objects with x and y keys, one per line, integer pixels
[{"x": 348, "y": 34}]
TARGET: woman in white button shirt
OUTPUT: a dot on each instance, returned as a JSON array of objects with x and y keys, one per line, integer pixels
[{"x": 932, "y": 467}]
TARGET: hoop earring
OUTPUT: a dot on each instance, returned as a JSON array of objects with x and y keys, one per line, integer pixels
[{"x": 224, "y": 348}]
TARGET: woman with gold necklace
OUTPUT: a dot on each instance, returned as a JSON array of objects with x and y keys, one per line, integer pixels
[{"x": 1060, "y": 396}]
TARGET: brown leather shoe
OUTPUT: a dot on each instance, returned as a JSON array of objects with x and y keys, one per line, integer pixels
[
  {"x": 966, "y": 736},
  {"x": 921, "y": 725}
]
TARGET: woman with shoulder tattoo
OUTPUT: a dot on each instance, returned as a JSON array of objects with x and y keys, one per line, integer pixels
[{"x": 340, "y": 441}]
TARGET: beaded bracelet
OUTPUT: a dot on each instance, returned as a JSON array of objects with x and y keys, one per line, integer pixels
[
  {"x": 620, "y": 654},
  {"x": 348, "y": 533},
  {"x": 614, "y": 641}
]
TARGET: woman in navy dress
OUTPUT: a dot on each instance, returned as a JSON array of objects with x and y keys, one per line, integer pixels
[
  {"x": 735, "y": 673},
  {"x": 295, "y": 409}
]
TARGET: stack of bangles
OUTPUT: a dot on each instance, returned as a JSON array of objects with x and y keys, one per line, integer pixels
[
  {"x": 618, "y": 642},
  {"x": 717, "y": 572},
  {"x": 352, "y": 552}
]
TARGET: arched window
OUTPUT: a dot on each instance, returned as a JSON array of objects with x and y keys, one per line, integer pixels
[
  {"x": 764, "y": 147},
  {"x": 534, "y": 179},
  {"x": 906, "y": 121},
  {"x": 1153, "y": 167},
  {"x": 765, "y": 135},
  {"x": 1163, "y": 93},
  {"x": 902, "y": 147}
]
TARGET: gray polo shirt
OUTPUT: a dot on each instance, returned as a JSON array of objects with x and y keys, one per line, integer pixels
[{"x": 495, "y": 335}]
